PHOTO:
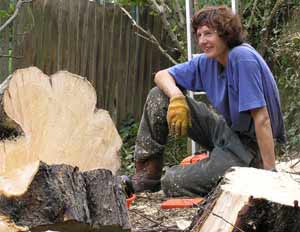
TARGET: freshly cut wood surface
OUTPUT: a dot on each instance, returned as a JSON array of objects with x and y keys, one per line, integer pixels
[
  {"x": 250, "y": 199},
  {"x": 60, "y": 125},
  {"x": 278, "y": 187},
  {"x": 16, "y": 181}
]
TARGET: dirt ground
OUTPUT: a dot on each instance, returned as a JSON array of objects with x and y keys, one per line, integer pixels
[{"x": 145, "y": 214}]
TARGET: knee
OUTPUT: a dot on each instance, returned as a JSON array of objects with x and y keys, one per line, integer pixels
[
  {"x": 157, "y": 102},
  {"x": 157, "y": 93}
]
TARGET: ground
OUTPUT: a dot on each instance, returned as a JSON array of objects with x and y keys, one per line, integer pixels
[{"x": 145, "y": 214}]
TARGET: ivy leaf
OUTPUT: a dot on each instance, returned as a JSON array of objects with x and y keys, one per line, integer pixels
[
  {"x": 11, "y": 8},
  {"x": 3, "y": 14}
]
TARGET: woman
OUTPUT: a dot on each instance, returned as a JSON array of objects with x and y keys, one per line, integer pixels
[{"x": 238, "y": 84}]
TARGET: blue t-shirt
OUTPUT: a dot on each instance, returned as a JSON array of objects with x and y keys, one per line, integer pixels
[{"x": 245, "y": 83}]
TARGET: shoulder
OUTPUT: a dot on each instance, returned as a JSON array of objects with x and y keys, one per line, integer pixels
[
  {"x": 243, "y": 52},
  {"x": 199, "y": 61},
  {"x": 204, "y": 62},
  {"x": 200, "y": 58}
]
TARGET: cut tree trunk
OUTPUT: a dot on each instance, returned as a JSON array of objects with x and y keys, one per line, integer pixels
[
  {"x": 60, "y": 122},
  {"x": 54, "y": 148},
  {"x": 251, "y": 199},
  {"x": 61, "y": 198}
]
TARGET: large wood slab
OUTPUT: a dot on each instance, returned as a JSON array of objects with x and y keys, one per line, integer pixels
[
  {"x": 60, "y": 122},
  {"x": 250, "y": 199}
]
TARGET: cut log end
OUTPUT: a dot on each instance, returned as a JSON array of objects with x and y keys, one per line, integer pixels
[
  {"x": 59, "y": 122},
  {"x": 250, "y": 199},
  {"x": 16, "y": 182}
]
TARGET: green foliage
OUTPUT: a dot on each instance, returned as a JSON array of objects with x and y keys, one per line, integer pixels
[
  {"x": 213, "y": 2},
  {"x": 175, "y": 151},
  {"x": 3, "y": 14},
  {"x": 11, "y": 8},
  {"x": 128, "y": 131},
  {"x": 278, "y": 40},
  {"x": 131, "y": 2},
  {"x": 287, "y": 69},
  {"x": 7, "y": 10},
  {"x": 282, "y": 54}
]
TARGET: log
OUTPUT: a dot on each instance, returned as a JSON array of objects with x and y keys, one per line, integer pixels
[
  {"x": 61, "y": 198},
  {"x": 249, "y": 199},
  {"x": 60, "y": 122},
  {"x": 58, "y": 154}
]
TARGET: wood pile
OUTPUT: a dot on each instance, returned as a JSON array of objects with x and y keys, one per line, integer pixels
[{"x": 58, "y": 154}]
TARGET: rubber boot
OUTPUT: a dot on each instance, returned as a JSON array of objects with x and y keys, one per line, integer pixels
[{"x": 148, "y": 174}]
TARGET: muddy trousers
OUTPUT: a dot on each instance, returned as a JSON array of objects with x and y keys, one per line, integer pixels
[{"x": 209, "y": 130}]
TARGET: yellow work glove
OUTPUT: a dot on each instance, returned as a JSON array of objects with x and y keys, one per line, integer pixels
[{"x": 178, "y": 116}]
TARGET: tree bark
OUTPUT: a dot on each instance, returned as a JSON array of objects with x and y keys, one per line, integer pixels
[
  {"x": 61, "y": 198},
  {"x": 250, "y": 199}
]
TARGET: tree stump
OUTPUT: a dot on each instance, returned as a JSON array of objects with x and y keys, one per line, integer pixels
[
  {"x": 61, "y": 198},
  {"x": 251, "y": 199},
  {"x": 60, "y": 122},
  {"x": 58, "y": 154}
]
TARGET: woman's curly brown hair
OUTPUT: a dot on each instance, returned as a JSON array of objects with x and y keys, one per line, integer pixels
[{"x": 221, "y": 18}]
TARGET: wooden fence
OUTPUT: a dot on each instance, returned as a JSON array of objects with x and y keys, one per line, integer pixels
[
  {"x": 4, "y": 44},
  {"x": 95, "y": 41}
]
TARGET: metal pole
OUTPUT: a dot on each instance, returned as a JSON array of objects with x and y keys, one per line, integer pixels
[
  {"x": 188, "y": 10},
  {"x": 234, "y": 6},
  {"x": 188, "y": 28}
]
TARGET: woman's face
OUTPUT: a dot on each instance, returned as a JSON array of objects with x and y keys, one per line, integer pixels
[{"x": 212, "y": 44}]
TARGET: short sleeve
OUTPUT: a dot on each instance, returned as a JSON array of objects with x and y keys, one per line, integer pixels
[
  {"x": 250, "y": 87},
  {"x": 187, "y": 75}
]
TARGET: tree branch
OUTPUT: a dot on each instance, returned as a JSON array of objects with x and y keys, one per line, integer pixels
[
  {"x": 273, "y": 13},
  {"x": 160, "y": 9},
  {"x": 157, "y": 225},
  {"x": 14, "y": 15},
  {"x": 178, "y": 10},
  {"x": 252, "y": 14},
  {"x": 267, "y": 26},
  {"x": 10, "y": 56},
  {"x": 196, "y": 5},
  {"x": 148, "y": 35}
]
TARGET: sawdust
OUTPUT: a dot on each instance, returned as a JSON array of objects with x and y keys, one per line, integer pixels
[{"x": 145, "y": 214}]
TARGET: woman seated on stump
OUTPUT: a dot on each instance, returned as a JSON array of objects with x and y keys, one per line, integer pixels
[{"x": 242, "y": 89}]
